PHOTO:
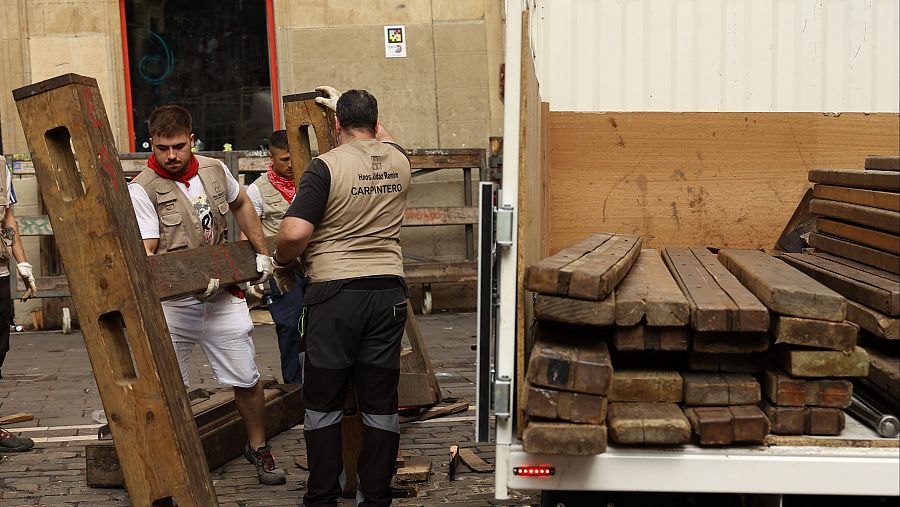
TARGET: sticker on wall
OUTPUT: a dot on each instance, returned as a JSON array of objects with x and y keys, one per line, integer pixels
[{"x": 395, "y": 41}]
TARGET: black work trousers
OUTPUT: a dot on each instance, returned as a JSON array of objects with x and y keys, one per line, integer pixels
[{"x": 355, "y": 337}]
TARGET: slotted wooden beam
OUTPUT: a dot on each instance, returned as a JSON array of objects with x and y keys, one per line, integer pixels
[{"x": 121, "y": 319}]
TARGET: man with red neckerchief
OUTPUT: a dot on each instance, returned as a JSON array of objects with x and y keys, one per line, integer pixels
[
  {"x": 181, "y": 201},
  {"x": 271, "y": 195}
]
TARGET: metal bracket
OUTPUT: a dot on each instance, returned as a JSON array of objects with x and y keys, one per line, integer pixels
[
  {"x": 502, "y": 388},
  {"x": 505, "y": 216}
]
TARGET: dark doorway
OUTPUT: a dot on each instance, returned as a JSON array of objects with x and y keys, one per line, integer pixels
[{"x": 208, "y": 56}]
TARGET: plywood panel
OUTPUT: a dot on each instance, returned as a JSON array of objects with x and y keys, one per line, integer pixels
[{"x": 714, "y": 179}]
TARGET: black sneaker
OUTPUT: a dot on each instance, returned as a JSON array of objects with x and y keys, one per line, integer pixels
[
  {"x": 264, "y": 461},
  {"x": 12, "y": 443}
]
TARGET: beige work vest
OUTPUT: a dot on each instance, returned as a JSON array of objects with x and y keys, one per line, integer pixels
[
  {"x": 274, "y": 205},
  {"x": 179, "y": 225},
  {"x": 359, "y": 234}
]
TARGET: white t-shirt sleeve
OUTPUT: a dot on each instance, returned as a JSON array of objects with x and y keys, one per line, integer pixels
[
  {"x": 233, "y": 187},
  {"x": 148, "y": 222},
  {"x": 10, "y": 193},
  {"x": 255, "y": 197}
]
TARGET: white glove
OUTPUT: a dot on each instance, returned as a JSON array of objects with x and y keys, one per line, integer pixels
[
  {"x": 263, "y": 267},
  {"x": 210, "y": 291},
  {"x": 331, "y": 101},
  {"x": 256, "y": 290},
  {"x": 27, "y": 276}
]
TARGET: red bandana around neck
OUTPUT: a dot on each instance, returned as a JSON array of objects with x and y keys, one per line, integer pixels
[
  {"x": 193, "y": 166},
  {"x": 284, "y": 185}
]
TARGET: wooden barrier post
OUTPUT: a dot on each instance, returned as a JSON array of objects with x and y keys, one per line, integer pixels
[{"x": 122, "y": 321}]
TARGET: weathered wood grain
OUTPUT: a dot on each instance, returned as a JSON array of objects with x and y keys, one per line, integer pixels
[
  {"x": 729, "y": 342},
  {"x": 873, "y": 321},
  {"x": 854, "y": 251},
  {"x": 750, "y": 424},
  {"x": 727, "y": 425},
  {"x": 814, "y": 333},
  {"x": 854, "y": 284},
  {"x": 649, "y": 291},
  {"x": 884, "y": 371},
  {"x": 883, "y": 163},
  {"x": 854, "y": 264},
  {"x": 823, "y": 421},
  {"x": 564, "y": 438},
  {"x": 544, "y": 277},
  {"x": 782, "y": 288},
  {"x": 646, "y": 385},
  {"x": 717, "y": 300},
  {"x": 871, "y": 180},
  {"x": 645, "y": 338},
  {"x": 580, "y": 365},
  {"x": 566, "y": 405},
  {"x": 784, "y": 420},
  {"x": 873, "y": 198},
  {"x": 785, "y": 390},
  {"x": 597, "y": 273},
  {"x": 576, "y": 311},
  {"x": 711, "y": 389},
  {"x": 823, "y": 363},
  {"x": 880, "y": 240},
  {"x": 875, "y": 218},
  {"x": 648, "y": 424},
  {"x": 733, "y": 363},
  {"x": 829, "y": 393}
]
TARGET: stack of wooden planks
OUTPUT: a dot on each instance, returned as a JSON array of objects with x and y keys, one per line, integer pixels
[
  {"x": 856, "y": 253},
  {"x": 570, "y": 372}
]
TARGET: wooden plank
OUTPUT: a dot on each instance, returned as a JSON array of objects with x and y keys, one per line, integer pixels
[
  {"x": 473, "y": 461},
  {"x": 854, "y": 284},
  {"x": 415, "y": 469},
  {"x": 542, "y": 402},
  {"x": 459, "y": 158},
  {"x": 16, "y": 418},
  {"x": 564, "y": 438},
  {"x": 432, "y": 272},
  {"x": 596, "y": 274},
  {"x": 440, "y": 410},
  {"x": 854, "y": 251},
  {"x": 855, "y": 264},
  {"x": 648, "y": 424},
  {"x": 696, "y": 178},
  {"x": 646, "y": 385},
  {"x": 727, "y": 425},
  {"x": 829, "y": 393},
  {"x": 784, "y": 420},
  {"x": 871, "y": 180},
  {"x": 823, "y": 421},
  {"x": 718, "y": 301},
  {"x": 875, "y": 218},
  {"x": 711, "y": 389},
  {"x": 870, "y": 237},
  {"x": 785, "y": 390},
  {"x": 560, "y": 361},
  {"x": 545, "y": 276},
  {"x": 884, "y": 371},
  {"x": 823, "y": 363},
  {"x": 582, "y": 408},
  {"x": 642, "y": 337},
  {"x": 452, "y": 215},
  {"x": 782, "y": 288},
  {"x": 576, "y": 311},
  {"x": 873, "y": 198},
  {"x": 301, "y": 112},
  {"x": 648, "y": 290},
  {"x": 814, "y": 333},
  {"x": 873, "y": 321},
  {"x": 729, "y": 342},
  {"x": 419, "y": 361},
  {"x": 882, "y": 163},
  {"x": 186, "y": 272},
  {"x": 93, "y": 222},
  {"x": 734, "y": 363},
  {"x": 801, "y": 222}
]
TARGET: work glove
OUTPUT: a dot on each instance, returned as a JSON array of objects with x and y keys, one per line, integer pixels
[
  {"x": 211, "y": 290},
  {"x": 27, "y": 276},
  {"x": 331, "y": 101},
  {"x": 256, "y": 290},
  {"x": 263, "y": 267},
  {"x": 284, "y": 275}
]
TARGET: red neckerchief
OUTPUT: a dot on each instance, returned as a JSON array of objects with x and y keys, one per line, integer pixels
[
  {"x": 193, "y": 166},
  {"x": 285, "y": 186}
]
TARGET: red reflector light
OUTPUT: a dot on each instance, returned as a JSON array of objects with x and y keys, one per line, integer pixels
[{"x": 535, "y": 471}]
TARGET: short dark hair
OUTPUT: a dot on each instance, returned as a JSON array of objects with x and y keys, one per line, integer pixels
[
  {"x": 169, "y": 121},
  {"x": 278, "y": 139},
  {"x": 358, "y": 109}
]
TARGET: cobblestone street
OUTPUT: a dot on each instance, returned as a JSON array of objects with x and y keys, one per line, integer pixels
[{"x": 49, "y": 375}]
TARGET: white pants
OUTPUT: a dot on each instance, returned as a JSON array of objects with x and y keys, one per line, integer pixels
[{"x": 221, "y": 326}]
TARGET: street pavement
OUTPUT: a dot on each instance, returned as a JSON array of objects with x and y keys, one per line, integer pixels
[{"x": 49, "y": 375}]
